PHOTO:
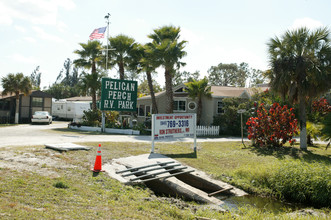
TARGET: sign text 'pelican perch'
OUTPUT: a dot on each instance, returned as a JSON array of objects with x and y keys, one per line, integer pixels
[{"x": 118, "y": 95}]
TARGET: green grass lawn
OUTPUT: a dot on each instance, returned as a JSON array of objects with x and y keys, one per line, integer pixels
[
  {"x": 61, "y": 185},
  {"x": 6, "y": 125}
]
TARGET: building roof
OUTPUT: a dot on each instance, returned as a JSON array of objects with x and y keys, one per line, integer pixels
[
  {"x": 33, "y": 93},
  {"x": 227, "y": 91},
  {"x": 162, "y": 92},
  {"x": 255, "y": 90},
  {"x": 80, "y": 98},
  {"x": 221, "y": 91}
]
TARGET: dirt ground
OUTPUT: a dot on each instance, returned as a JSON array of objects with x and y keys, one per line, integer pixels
[{"x": 33, "y": 159}]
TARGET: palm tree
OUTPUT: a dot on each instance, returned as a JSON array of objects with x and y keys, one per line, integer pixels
[
  {"x": 90, "y": 57},
  {"x": 198, "y": 89},
  {"x": 300, "y": 68},
  {"x": 16, "y": 84},
  {"x": 143, "y": 61},
  {"x": 167, "y": 51},
  {"x": 91, "y": 84},
  {"x": 120, "y": 52}
]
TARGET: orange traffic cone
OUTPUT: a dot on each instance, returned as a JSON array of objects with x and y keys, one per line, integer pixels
[{"x": 97, "y": 164}]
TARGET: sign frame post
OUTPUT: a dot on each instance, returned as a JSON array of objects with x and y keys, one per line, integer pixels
[
  {"x": 153, "y": 133},
  {"x": 195, "y": 133}
]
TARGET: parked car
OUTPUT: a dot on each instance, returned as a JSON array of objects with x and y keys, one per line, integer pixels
[{"x": 41, "y": 117}]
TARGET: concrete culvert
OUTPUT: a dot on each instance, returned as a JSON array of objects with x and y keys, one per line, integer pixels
[{"x": 166, "y": 176}]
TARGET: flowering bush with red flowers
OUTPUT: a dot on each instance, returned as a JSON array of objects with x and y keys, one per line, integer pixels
[
  {"x": 322, "y": 106},
  {"x": 273, "y": 127}
]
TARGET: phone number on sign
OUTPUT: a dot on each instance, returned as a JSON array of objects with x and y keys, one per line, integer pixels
[{"x": 173, "y": 124}]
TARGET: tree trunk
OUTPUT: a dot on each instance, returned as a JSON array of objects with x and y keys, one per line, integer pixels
[
  {"x": 199, "y": 110},
  {"x": 303, "y": 129},
  {"x": 94, "y": 96},
  {"x": 169, "y": 93},
  {"x": 17, "y": 108},
  {"x": 94, "y": 100},
  {"x": 151, "y": 89},
  {"x": 94, "y": 68},
  {"x": 309, "y": 140},
  {"x": 121, "y": 70}
]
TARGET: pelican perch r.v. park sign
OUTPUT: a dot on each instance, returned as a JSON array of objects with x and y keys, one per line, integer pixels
[{"x": 118, "y": 95}]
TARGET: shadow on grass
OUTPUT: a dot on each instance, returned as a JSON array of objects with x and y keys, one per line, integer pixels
[
  {"x": 182, "y": 155},
  {"x": 296, "y": 153}
]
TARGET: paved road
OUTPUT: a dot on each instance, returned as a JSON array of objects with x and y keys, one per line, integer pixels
[{"x": 27, "y": 134}]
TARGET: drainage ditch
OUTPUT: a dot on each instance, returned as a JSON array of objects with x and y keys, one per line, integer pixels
[
  {"x": 167, "y": 177},
  {"x": 162, "y": 188},
  {"x": 229, "y": 200},
  {"x": 177, "y": 183}
]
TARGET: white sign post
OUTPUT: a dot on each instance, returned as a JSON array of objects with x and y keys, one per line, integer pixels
[{"x": 173, "y": 126}]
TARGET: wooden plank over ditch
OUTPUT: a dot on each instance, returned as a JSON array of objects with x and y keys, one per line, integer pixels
[{"x": 153, "y": 171}]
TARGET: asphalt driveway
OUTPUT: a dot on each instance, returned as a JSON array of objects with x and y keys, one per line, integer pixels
[{"x": 28, "y": 134}]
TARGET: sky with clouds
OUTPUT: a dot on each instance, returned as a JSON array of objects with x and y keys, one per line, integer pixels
[{"x": 46, "y": 32}]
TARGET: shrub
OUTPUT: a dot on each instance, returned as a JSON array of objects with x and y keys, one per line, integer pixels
[
  {"x": 326, "y": 130},
  {"x": 321, "y": 106},
  {"x": 273, "y": 127},
  {"x": 112, "y": 119},
  {"x": 92, "y": 118},
  {"x": 60, "y": 185},
  {"x": 303, "y": 182},
  {"x": 319, "y": 109},
  {"x": 229, "y": 121},
  {"x": 313, "y": 132},
  {"x": 142, "y": 128}
]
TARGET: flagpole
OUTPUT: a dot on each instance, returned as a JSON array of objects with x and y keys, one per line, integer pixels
[
  {"x": 103, "y": 112},
  {"x": 107, "y": 17}
]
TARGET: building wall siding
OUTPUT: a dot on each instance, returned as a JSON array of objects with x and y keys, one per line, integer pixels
[
  {"x": 207, "y": 111},
  {"x": 48, "y": 103}
]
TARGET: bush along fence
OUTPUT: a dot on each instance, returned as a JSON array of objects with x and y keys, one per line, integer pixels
[{"x": 208, "y": 130}]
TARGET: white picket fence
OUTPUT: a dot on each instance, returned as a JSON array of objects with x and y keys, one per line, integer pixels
[{"x": 208, "y": 130}]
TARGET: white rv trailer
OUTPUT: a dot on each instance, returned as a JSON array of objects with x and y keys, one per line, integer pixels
[{"x": 70, "y": 110}]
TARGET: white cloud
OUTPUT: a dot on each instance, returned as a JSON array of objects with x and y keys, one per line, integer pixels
[
  {"x": 30, "y": 39},
  {"x": 34, "y": 11},
  {"x": 66, "y": 4},
  {"x": 191, "y": 37},
  {"x": 239, "y": 55},
  {"x": 61, "y": 26},
  {"x": 306, "y": 22},
  {"x": 6, "y": 14},
  {"x": 24, "y": 59},
  {"x": 205, "y": 57},
  {"x": 43, "y": 35},
  {"x": 20, "y": 28}
]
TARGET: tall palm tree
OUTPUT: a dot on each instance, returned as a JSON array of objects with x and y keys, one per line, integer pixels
[
  {"x": 90, "y": 57},
  {"x": 300, "y": 68},
  {"x": 144, "y": 62},
  {"x": 90, "y": 84},
  {"x": 120, "y": 52},
  {"x": 16, "y": 84},
  {"x": 167, "y": 50},
  {"x": 198, "y": 89}
]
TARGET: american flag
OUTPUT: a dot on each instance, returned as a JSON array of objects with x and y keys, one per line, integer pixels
[{"x": 98, "y": 33}]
